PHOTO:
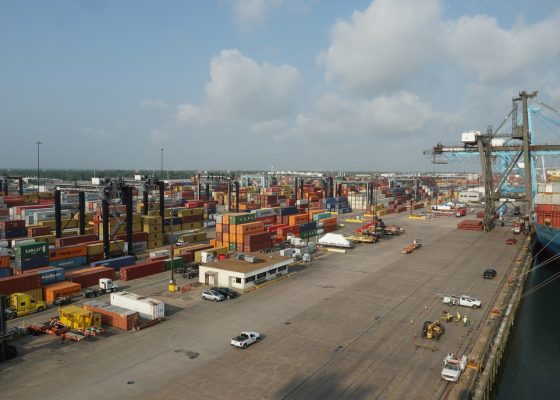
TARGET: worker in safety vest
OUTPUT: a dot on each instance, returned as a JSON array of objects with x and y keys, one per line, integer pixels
[
  {"x": 458, "y": 316},
  {"x": 465, "y": 320}
]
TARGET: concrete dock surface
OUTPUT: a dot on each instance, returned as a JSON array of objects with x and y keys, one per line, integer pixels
[{"x": 345, "y": 326}]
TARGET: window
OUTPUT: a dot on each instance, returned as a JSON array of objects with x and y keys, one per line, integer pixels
[
  {"x": 237, "y": 280},
  {"x": 261, "y": 275},
  {"x": 249, "y": 279},
  {"x": 282, "y": 268},
  {"x": 272, "y": 271}
]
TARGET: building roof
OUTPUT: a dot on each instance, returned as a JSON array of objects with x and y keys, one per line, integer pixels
[{"x": 244, "y": 267}]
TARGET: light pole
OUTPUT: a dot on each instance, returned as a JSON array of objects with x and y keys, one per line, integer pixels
[
  {"x": 39, "y": 143},
  {"x": 93, "y": 159},
  {"x": 162, "y": 163}
]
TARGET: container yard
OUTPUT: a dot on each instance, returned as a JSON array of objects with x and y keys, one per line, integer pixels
[{"x": 324, "y": 307}]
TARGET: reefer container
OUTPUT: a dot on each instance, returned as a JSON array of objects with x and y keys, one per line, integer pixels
[
  {"x": 29, "y": 250},
  {"x": 147, "y": 307},
  {"x": 111, "y": 315},
  {"x": 50, "y": 292}
]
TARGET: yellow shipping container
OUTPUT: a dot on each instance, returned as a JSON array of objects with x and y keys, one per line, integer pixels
[
  {"x": 116, "y": 245},
  {"x": 153, "y": 244},
  {"x": 50, "y": 239},
  {"x": 93, "y": 249},
  {"x": 187, "y": 212},
  {"x": 155, "y": 236},
  {"x": 151, "y": 228}
]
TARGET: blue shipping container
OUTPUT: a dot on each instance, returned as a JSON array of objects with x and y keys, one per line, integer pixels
[
  {"x": 288, "y": 211},
  {"x": 52, "y": 275},
  {"x": 308, "y": 227},
  {"x": 116, "y": 263},
  {"x": 5, "y": 272},
  {"x": 70, "y": 262},
  {"x": 33, "y": 262}
]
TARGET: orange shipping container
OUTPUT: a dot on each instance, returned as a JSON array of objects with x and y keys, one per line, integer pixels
[
  {"x": 50, "y": 292},
  {"x": 299, "y": 219},
  {"x": 4, "y": 261},
  {"x": 225, "y": 219},
  {"x": 251, "y": 227},
  {"x": 61, "y": 253},
  {"x": 225, "y": 237},
  {"x": 219, "y": 228}
]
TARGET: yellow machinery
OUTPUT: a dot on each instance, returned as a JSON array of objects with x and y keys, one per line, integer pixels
[
  {"x": 76, "y": 318},
  {"x": 432, "y": 330},
  {"x": 362, "y": 238}
]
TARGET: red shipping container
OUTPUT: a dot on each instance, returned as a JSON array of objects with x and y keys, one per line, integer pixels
[
  {"x": 70, "y": 240},
  {"x": 90, "y": 276},
  {"x": 142, "y": 270},
  {"x": 19, "y": 283},
  {"x": 117, "y": 317},
  {"x": 13, "y": 224},
  {"x": 38, "y": 231},
  {"x": 4, "y": 261},
  {"x": 253, "y": 238},
  {"x": 136, "y": 237},
  {"x": 192, "y": 218}
]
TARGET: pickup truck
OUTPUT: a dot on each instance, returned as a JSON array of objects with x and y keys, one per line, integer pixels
[
  {"x": 453, "y": 367},
  {"x": 245, "y": 339},
  {"x": 462, "y": 300}
]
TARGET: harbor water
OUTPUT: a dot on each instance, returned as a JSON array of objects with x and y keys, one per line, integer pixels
[{"x": 531, "y": 365}]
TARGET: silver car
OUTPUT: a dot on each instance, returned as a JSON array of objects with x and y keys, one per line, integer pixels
[{"x": 212, "y": 295}]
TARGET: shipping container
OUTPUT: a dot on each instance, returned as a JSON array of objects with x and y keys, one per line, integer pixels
[
  {"x": 29, "y": 250},
  {"x": 61, "y": 289},
  {"x": 31, "y": 263},
  {"x": 114, "y": 316},
  {"x": 148, "y": 308},
  {"x": 5, "y": 272},
  {"x": 72, "y": 240},
  {"x": 116, "y": 263},
  {"x": 142, "y": 270},
  {"x": 88, "y": 277},
  {"x": 19, "y": 283},
  {"x": 49, "y": 275},
  {"x": 69, "y": 263},
  {"x": 62, "y": 253}
]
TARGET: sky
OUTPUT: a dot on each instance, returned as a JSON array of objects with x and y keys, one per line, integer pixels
[{"x": 256, "y": 84}]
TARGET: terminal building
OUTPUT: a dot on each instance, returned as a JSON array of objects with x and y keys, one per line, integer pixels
[{"x": 244, "y": 271}]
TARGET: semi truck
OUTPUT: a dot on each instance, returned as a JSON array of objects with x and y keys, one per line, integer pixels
[{"x": 22, "y": 304}]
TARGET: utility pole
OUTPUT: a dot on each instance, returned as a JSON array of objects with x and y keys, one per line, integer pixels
[
  {"x": 38, "y": 142},
  {"x": 162, "y": 164}
]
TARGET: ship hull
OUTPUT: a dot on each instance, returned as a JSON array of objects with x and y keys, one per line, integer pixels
[{"x": 548, "y": 237}]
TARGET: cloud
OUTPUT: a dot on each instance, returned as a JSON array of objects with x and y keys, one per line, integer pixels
[
  {"x": 158, "y": 104},
  {"x": 242, "y": 89},
  {"x": 483, "y": 47},
  {"x": 383, "y": 118},
  {"x": 382, "y": 46},
  {"x": 252, "y": 11}
]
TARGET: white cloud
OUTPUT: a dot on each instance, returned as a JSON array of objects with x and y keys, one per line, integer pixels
[
  {"x": 240, "y": 88},
  {"x": 491, "y": 52},
  {"x": 383, "y": 45},
  {"x": 384, "y": 117},
  {"x": 158, "y": 104},
  {"x": 252, "y": 11}
]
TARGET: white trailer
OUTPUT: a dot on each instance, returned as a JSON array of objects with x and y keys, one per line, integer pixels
[{"x": 147, "y": 307}]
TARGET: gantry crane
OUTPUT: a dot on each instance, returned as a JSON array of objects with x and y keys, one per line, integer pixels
[{"x": 489, "y": 149}]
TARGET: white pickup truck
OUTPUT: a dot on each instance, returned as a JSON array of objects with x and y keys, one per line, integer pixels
[
  {"x": 462, "y": 300},
  {"x": 453, "y": 367},
  {"x": 246, "y": 339}
]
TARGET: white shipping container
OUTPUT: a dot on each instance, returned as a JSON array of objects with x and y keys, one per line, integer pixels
[
  {"x": 147, "y": 307},
  {"x": 160, "y": 253}
]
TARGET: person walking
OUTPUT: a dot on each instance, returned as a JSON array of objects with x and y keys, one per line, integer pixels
[{"x": 465, "y": 320}]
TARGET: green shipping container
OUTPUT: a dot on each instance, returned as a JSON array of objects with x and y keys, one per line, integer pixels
[
  {"x": 29, "y": 250},
  {"x": 309, "y": 234},
  {"x": 318, "y": 217},
  {"x": 178, "y": 262},
  {"x": 242, "y": 218},
  {"x": 233, "y": 246}
]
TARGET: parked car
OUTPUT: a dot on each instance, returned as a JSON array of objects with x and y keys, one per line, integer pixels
[
  {"x": 489, "y": 273},
  {"x": 212, "y": 295},
  {"x": 511, "y": 241},
  {"x": 226, "y": 292}
]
